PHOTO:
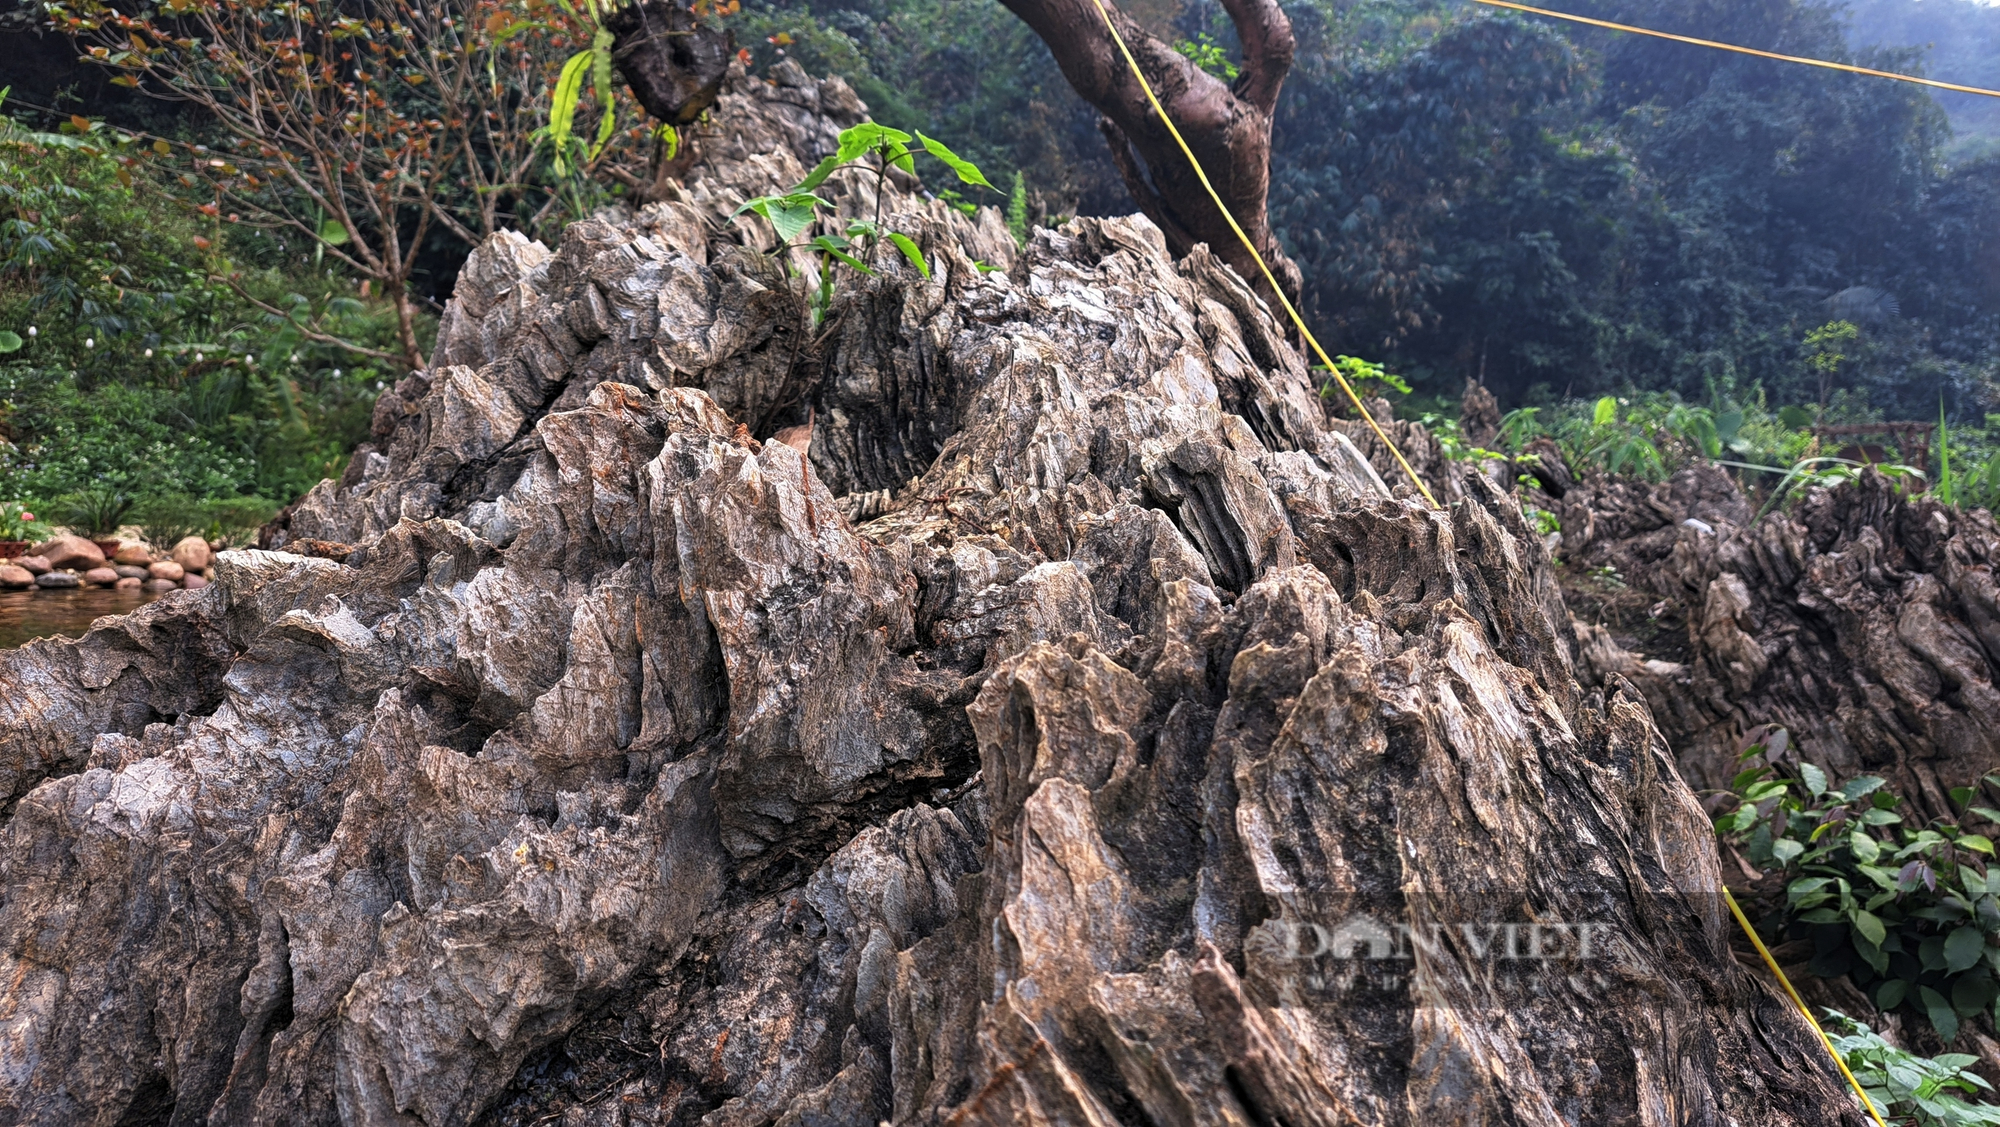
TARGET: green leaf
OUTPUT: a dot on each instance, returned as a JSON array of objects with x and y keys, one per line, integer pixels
[
  {"x": 1943, "y": 1018},
  {"x": 1987, "y": 812},
  {"x": 1962, "y": 948},
  {"x": 10, "y": 341},
  {"x": 909, "y": 248},
  {"x": 859, "y": 139},
  {"x": 1865, "y": 848},
  {"x": 1869, "y": 926},
  {"x": 1746, "y": 777},
  {"x": 607, "y": 92},
  {"x": 1880, "y": 818},
  {"x": 1856, "y": 787},
  {"x": 332, "y": 233},
  {"x": 789, "y": 214},
  {"x": 1606, "y": 412},
  {"x": 820, "y": 172},
  {"x": 830, "y": 247},
  {"x": 1962, "y": 795},
  {"x": 968, "y": 172},
  {"x": 1815, "y": 779},
  {"x": 1891, "y": 994},
  {"x": 1785, "y": 849},
  {"x": 1979, "y": 843},
  {"x": 562, "y": 112}
]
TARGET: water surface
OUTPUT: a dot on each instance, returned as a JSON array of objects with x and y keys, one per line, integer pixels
[{"x": 26, "y": 615}]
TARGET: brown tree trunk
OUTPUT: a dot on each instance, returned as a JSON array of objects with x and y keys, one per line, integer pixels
[{"x": 1227, "y": 125}]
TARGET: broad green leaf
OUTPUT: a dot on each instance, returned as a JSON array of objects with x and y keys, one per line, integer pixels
[
  {"x": 1987, "y": 812},
  {"x": 332, "y": 233},
  {"x": 1820, "y": 916},
  {"x": 860, "y": 139},
  {"x": 1746, "y": 816},
  {"x": 820, "y": 172},
  {"x": 1943, "y": 1018},
  {"x": 789, "y": 214},
  {"x": 830, "y": 247},
  {"x": 1745, "y": 778},
  {"x": 1962, "y": 948},
  {"x": 1880, "y": 818},
  {"x": 1962, "y": 795},
  {"x": 1815, "y": 779},
  {"x": 1865, "y": 848},
  {"x": 909, "y": 248},
  {"x": 10, "y": 341},
  {"x": 1606, "y": 412},
  {"x": 1868, "y": 925},
  {"x": 1890, "y": 994},
  {"x": 1763, "y": 789},
  {"x": 1785, "y": 849},
  {"x": 1856, "y": 787},
  {"x": 1977, "y": 842},
  {"x": 968, "y": 172}
]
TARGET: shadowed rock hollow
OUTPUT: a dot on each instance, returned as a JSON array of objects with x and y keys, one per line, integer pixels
[{"x": 1078, "y": 733}]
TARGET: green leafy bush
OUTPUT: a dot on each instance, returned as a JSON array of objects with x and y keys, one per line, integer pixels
[
  {"x": 20, "y": 522},
  {"x": 1909, "y": 1089},
  {"x": 1909, "y": 913}
]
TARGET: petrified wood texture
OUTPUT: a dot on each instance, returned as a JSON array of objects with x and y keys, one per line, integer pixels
[
  {"x": 1866, "y": 623},
  {"x": 1078, "y": 733}
]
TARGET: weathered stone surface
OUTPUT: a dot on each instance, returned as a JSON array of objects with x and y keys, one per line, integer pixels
[
  {"x": 1865, "y": 623},
  {"x": 618, "y": 776},
  {"x": 34, "y": 565},
  {"x": 100, "y": 576},
  {"x": 192, "y": 553},
  {"x": 58, "y": 580},
  {"x": 166, "y": 569},
  {"x": 132, "y": 552},
  {"x": 16, "y": 578},
  {"x": 71, "y": 552}
]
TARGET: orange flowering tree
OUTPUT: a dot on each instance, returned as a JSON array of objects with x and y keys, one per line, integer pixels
[{"x": 360, "y": 130}]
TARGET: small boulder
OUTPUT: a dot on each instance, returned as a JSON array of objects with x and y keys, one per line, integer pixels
[
  {"x": 128, "y": 583},
  {"x": 100, "y": 577},
  {"x": 167, "y": 569},
  {"x": 132, "y": 552},
  {"x": 192, "y": 553},
  {"x": 34, "y": 565},
  {"x": 161, "y": 585},
  {"x": 193, "y": 583},
  {"x": 132, "y": 571},
  {"x": 71, "y": 551},
  {"x": 15, "y": 578},
  {"x": 58, "y": 579}
]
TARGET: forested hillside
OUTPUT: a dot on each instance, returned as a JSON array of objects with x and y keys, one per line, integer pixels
[{"x": 1961, "y": 39}]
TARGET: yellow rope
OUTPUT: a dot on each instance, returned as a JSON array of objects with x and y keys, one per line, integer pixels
[
  {"x": 1297, "y": 321},
  {"x": 1800, "y": 1002},
  {"x": 1740, "y": 50}
]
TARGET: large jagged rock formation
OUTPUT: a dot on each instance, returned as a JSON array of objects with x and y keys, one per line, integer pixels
[
  {"x": 1865, "y": 623},
  {"x": 1078, "y": 733}
]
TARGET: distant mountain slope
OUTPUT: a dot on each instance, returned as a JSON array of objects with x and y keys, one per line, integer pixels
[{"x": 1964, "y": 41}]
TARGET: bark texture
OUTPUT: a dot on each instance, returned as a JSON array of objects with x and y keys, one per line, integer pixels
[
  {"x": 1226, "y": 124},
  {"x": 1079, "y": 733},
  {"x": 1865, "y": 623}
]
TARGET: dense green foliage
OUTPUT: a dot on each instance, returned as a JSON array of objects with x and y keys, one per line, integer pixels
[
  {"x": 142, "y": 370},
  {"x": 1906, "y": 1088},
  {"x": 1910, "y": 913}
]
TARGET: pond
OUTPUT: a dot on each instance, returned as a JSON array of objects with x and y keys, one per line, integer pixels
[{"x": 26, "y": 615}]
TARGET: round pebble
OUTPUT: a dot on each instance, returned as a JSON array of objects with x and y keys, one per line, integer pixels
[
  {"x": 167, "y": 569},
  {"x": 161, "y": 585},
  {"x": 132, "y": 571},
  {"x": 100, "y": 577},
  {"x": 128, "y": 583},
  {"x": 57, "y": 580}
]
